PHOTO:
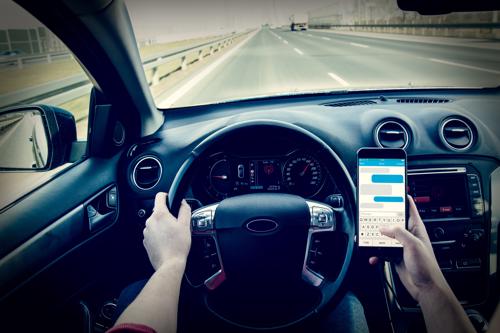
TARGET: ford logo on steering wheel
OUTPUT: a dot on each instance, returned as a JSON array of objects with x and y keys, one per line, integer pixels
[{"x": 261, "y": 225}]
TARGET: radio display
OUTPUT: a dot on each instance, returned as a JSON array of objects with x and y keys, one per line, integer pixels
[{"x": 440, "y": 195}]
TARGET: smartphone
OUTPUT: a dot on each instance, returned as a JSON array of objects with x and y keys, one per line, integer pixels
[{"x": 381, "y": 199}]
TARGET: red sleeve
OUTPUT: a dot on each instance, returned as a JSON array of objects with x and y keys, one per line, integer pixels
[{"x": 131, "y": 328}]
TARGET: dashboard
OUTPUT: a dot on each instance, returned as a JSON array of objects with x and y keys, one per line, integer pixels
[{"x": 451, "y": 138}]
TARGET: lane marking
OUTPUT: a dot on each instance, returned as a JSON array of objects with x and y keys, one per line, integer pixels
[
  {"x": 340, "y": 80},
  {"x": 285, "y": 41},
  {"x": 359, "y": 45},
  {"x": 451, "y": 63},
  {"x": 325, "y": 38},
  {"x": 275, "y": 35},
  {"x": 298, "y": 51},
  {"x": 309, "y": 35},
  {"x": 176, "y": 95}
]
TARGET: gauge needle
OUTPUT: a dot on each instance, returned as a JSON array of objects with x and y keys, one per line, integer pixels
[
  {"x": 224, "y": 177},
  {"x": 305, "y": 170}
]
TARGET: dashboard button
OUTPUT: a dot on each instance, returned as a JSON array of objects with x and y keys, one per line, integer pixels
[
  {"x": 446, "y": 209},
  {"x": 469, "y": 262},
  {"x": 438, "y": 233}
]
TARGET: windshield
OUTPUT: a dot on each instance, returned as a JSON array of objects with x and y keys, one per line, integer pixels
[{"x": 207, "y": 51}]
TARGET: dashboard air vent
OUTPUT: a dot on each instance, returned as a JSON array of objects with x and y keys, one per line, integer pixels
[
  {"x": 422, "y": 100},
  {"x": 147, "y": 172},
  {"x": 456, "y": 134},
  {"x": 350, "y": 103},
  {"x": 391, "y": 134}
]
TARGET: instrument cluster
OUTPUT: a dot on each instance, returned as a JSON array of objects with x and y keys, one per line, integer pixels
[{"x": 297, "y": 172}]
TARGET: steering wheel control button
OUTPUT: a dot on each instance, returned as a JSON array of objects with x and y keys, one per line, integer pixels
[
  {"x": 322, "y": 217},
  {"x": 202, "y": 219}
]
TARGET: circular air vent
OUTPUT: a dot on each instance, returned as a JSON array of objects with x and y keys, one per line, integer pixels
[
  {"x": 147, "y": 172},
  {"x": 456, "y": 134},
  {"x": 391, "y": 134}
]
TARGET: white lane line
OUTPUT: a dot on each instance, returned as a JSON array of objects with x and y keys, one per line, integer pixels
[
  {"x": 285, "y": 41},
  {"x": 464, "y": 66},
  {"x": 298, "y": 51},
  {"x": 170, "y": 100},
  {"x": 359, "y": 45},
  {"x": 275, "y": 35},
  {"x": 309, "y": 35},
  {"x": 339, "y": 79},
  {"x": 325, "y": 38}
]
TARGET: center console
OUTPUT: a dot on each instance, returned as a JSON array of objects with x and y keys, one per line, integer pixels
[{"x": 451, "y": 203}]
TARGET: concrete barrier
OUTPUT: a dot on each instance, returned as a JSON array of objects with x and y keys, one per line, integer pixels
[{"x": 471, "y": 30}]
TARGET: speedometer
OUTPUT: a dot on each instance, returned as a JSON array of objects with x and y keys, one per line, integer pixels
[{"x": 303, "y": 175}]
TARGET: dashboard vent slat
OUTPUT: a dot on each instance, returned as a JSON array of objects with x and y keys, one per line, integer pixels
[
  {"x": 391, "y": 134},
  {"x": 147, "y": 173},
  {"x": 422, "y": 100},
  {"x": 456, "y": 134},
  {"x": 350, "y": 103}
]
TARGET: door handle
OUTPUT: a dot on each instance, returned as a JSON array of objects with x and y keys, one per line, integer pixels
[{"x": 101, "y": 210}]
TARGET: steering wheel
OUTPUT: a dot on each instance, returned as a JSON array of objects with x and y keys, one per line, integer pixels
[{"x": 260, "y": 245}]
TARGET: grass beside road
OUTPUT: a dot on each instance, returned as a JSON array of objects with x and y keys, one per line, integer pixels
[{"x": 14, "y": 79}]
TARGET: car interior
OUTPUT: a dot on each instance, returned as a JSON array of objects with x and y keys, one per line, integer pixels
[{"x": 70, "y": 245}]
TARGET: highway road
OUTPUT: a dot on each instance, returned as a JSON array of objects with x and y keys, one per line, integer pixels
[{"x": 275, "y": 61}]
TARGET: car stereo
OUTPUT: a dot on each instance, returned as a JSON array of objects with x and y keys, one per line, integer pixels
[{"x": 451, "y": 193}]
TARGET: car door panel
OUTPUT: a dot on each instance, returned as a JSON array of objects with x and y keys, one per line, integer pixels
[
  {"x": 53, "y": 200},
  {"x": 52, "y": 242},
  {"x": 53, "y": 245}
]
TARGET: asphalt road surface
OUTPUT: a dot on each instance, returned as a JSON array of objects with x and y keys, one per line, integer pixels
[{"x": 275, "y": 61}]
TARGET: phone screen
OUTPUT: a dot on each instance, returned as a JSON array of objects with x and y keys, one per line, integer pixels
[{"x": 381, "y": 199}]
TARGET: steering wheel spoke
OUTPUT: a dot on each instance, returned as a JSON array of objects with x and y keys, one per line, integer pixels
[
  {"x": 322, "y": 220},
  {"x": 202, "y": 220},
  {"x": 202, "y": 227}
]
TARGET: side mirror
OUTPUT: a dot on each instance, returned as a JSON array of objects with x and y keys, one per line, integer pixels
[{"x": 35, "y": 137}]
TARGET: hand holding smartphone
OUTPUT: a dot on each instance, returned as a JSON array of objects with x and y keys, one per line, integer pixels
[{"x": 381, "y": 199}]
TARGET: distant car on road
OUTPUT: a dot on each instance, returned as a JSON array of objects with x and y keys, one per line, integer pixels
[
  {"x": 299, "y": 22},
  {"x": 10, "y": 53}
]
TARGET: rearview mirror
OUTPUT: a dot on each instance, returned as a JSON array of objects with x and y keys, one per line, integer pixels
[
  {"x": 35, "y": 137},
  {"x": 438, "y": 7}
]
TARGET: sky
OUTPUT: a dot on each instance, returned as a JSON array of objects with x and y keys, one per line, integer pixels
[
  {"x": 166, "y": 20},
  {"x": 14, "y": 17},
  {"x": 178, "y": 19}
]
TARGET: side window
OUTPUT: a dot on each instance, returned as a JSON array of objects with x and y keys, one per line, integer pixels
[{"x": 35, "y": 68}]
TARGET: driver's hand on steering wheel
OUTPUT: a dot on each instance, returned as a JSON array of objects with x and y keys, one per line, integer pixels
[
  {"x": 166, "y": 238},
  {"x": 418, "y": 270}
]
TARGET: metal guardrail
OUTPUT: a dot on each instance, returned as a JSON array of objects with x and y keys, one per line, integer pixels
[
  {"x": 156, "y": 67},
  {"x": 20, "y": 61}
]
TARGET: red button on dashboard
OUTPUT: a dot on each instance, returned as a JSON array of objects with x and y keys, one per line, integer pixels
[{"x": 446, "y": 209}]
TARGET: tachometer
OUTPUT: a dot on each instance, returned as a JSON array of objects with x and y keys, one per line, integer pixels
[
  {"x": 303, "y": 175},
  {"x": 220, "y": 179}
]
